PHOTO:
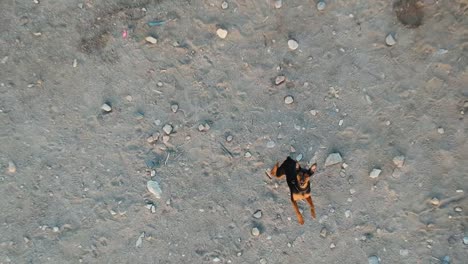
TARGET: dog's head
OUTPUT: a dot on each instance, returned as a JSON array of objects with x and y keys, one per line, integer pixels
[{"x": 303, "y": 175}]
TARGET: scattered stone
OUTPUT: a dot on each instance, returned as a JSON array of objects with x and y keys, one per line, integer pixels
[
  {"x": 167, "y": 129},
  {"x": 216, "y": 259},
  {"x": 159, "y": 84},
  {"x": 278, "y": 4},
  {"x": 332, "y": 245},
  {"x": 341, "y": 122},
  {"x": 148, "y": 206},
  {"x": 323, "y": 232},
  {"x": 224, "y": 5},
  {"x": 75, "y": 63},
  {"x": 343, "y": 173},
  {"x": 153, "y": 187},
  {"x": 203, "y": 128},
  {"x": 56, "y": 229},
  {"x": 292, "y": 149},
  {"x": 396, "y": 173},
  {"x": 435, "y": 201},
  {"x": 441, "y": 130},
  {"x": 106, "y": 108},
  {"x": 292, "y": 44},
  {"x": 390, "y": 40},
  {"x": 229, "y": 138},
  {"x": 352, "y": 191},
  {"x": 313, "y": 112},
  {"x": 351, "y": 179},
  {"x": 165, "y": 139},
  {"x": 404, "y": 252},
  {"x": 174, "y": 108},
  {"x": 280, "y": 79},
  {"x": 332, "y": 159},
  {"x": 255, "y": 231},
  {"x": 288, "y": 99},
  {"x": 458, "y": 209},
  {"x": 399, "y": 161},
  {"x": 153, "y": 138},
  {"x": 129, "y": 98},
  {"x": 373, "y": 260},
  {"x": 344, "y": 165},
  {"x": 139, "y": 241},
  {"x": 321, "y": 5},
  {"x": 446, "y": 260},
  {"x": 222, "y": 33},
  {"x": 348, "y": 213},
  {"x": 270, "y": 144},
  {"x": 157, "y": 122},
  {"x": 375, "y": 173},
  {"x": 257, "y": 214},
  {"x": 247, "y": 154},
  {"x": 299, "y": 157},
  {"x": 11, "y": 167},
  {"x": 153, "y": 209},
  {"x": 263, "y": 261},
  {"x": 151, "y": 40},
  {"x": 465, "y": 240}
]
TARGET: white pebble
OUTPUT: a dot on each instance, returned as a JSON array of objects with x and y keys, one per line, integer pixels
[
  {"x": 390, "y": 40},
  {"x": 321, "y": 5},
  {"x": 435, "y": 201},
  {"x": 270, "y": 144},
  {"x": 229, "y": 138},
  {"x": 344, "y": 165},
  {"x": 288, "y": 99},
  {"x": 352, "y": 191},
  {"x": 215, "y": 260},
  {"x": 255, "y": 231},
  {"x": 75, "y": 63},
  {"x": 332, "y": 159},
  {"x": 174, "y": 108},
  {"x": 441, "y": 130},
  {"x": 153, "y": 187},
  {"x": 258, "y": 214},
  {"x": 348, "y": 213},
  {"x": 332, "y": 245},
  {"x": 55, "y": 229},
  {"x": 263, "y": 261},
  {"x": 106, "y": 108},
  {"x": 341, "y": 122},
  {"x": 153, "y": 209},
  {"x": 129, "y": 98},
  {"x": 151, "y": 40},
  {"x": 313, "y": 112},
  {"x": 139, "y": 241},
  {"x": 375, "y": 173},
  {"x": 224, "y": 5},
  {"x": 11, "y": 167},
  {"x": 167, "y": 129},
  {"x": 458, "y": 209},
  {"x": 222, "y": 33},
  {"x": 278, "y": 4},
  {"x": 292, "y": 44},
  {"x": 159, "y": 84},
  {"x": 279, "y": 79},
  {"x": 247, "y": 154}
]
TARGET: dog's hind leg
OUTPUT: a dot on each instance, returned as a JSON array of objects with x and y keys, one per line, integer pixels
[
  {"x": 312, "y": 207},
  {"x": 278, "y": 173},
  {"x": 300, "y": 219}
]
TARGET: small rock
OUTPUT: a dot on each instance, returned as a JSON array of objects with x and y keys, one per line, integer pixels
[
  {"x": 332, "y": 246},
  {"x": 203, "y": 128},
  {"x": 375, "y": 173},
  {"x": 280, "y": 79},
  {"x": 229, "y": 138},
  {"x": 153, "y": 187},
  {"x": 323, "y": 232},
  {"x": 255, "y": 231},
  {"x": 139, "y": 241},
  {"x": 216, "y": 259},
  {"x": 270, "y": 144},
  {"x": 129, "y": 98},
  {"x": 288, "y": 99},
  {"x": 399, "y": 161},
  {"x": 341, "y": 122},
  {"x": 75, "y": 63},
  {"x": 435, "y": 201},
  {"x": 167, "y": 129},
  {"x": 257, "y": 214},
  {"x": 390, "y": 40},
  {"x": 11, "y": 167},
  {"x": 348, "y": 213},
  {"x": 151, "y": 139},
  {"x": 278, "y": 4},
  {"x": 351, "y": 179},
  {"x": 441, "y": 130},
  {"x": 458, "y": 209},
  {"x": 151, "y": 40},
  {"x": 222, "y": 33},
  {"x": 344, "y": 165},
  {"x": 313, "y": 112},
  {"x": 352, "y": 191},
  {"x": 174, "y": 108},
  {"x": 465, "y": 240},
  {"x": 247, "y": 154},
  {"x": 292, "y": 44},
  {"x": 165, "y": 139},
  {"x": 224, "y": 5},
  {"x": 446, "y": 260},
  {"x": 263, "y": 261},
  {"x": 396, "y": 173},
  {"x": 159, "y": 84},
  {"x": 321, "y": 5},
  {"x": 56, "y": 229},
  {"x": 404, "y": 252},
  {"x": 299, "y": 157},
  {"x": 157, "y": 122},
  {"x": 333, "y": 159},
  {"x": 106, "y": 108},
  {"x": 343, "y": 173},
  {"x": 153, "y": 209},
  {"x": 373, "y": 260}
]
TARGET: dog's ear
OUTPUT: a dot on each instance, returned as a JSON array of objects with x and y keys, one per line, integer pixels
[
  {"x": 313, "y": 168},
  {"x": 298, "y": 166}
]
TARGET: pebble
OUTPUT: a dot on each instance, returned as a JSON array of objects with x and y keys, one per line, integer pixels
[
  {"x": 280, "y": 79},
  {"x": 152, "y": 139},
  {"x": 159, "y": 84},
  {"x": 224, "y": 5},
  {"x": 167, "y": 129},
  {"x": 56, "y": 229},
  {"x": 174, "y": 108},
  {"x": 153, "y": 209},
  {"x": 333, "y": 159},
  {"x": 139, "y": 241},
  {"x": 458, "y": 209},
  {"x": 465, "y": 240},
  {"x": 257, "y": 214},
  {"x": 278, "y": 4},
  {"x": 404, "y": 252},
  {"x": 343, "y": 173},
  {"x": 390, "y": 40},
  {"x": 106, "y": 108},
  {"x": 435, "y": 201},
  {"x": 323, "y": 232},
  {"x": 313, "y": 112},
  {"x": 153, "y": 187},
  {"x": 151, "y": 40},
  {"x": 348, "y": 213},
  {"x": 229, "y": 138},
  {"x": 129, "y": 98},
  {"x": 396, "y": 173},
  {"x": 255, "y": 231},
  {"x": 341, "y": 122},
  {"x": 247, "y": 154},
  {"x": 375, "y": 173},
  {"x": 352, "y": 191},
  {"x": 332, "y": 246},
  {"x": 165, "y": 139},
  {"x": 321, "y": 5},
  {"x": 216, "y": 259},
  {"x": 373, "y": 260},
  {"x": 11, "y": 167},
  {"x": 288, "y": 99},
  {"x": 399, "y": 161},
  {"x": 292, "y": 44},
  {"x": 441, "y": 130},
  {"x": 344, "y": 165},
  {"x": 299, "y": 157},
  {"x": 222, "y": 33},
  {"x": 270, "y": 144},
  {"x": 203, "y": 128},
  {"x": 75, "y": 63},
  {"x": 263, "y": 261}
]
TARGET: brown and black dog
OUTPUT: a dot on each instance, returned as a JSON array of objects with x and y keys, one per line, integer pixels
[{"x": 298, "y": 180}]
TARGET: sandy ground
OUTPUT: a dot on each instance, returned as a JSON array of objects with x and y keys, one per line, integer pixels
[{"x": 79, "y": 190}]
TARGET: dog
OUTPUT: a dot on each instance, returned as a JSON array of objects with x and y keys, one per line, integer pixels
[{"x": 298, "y": 180}]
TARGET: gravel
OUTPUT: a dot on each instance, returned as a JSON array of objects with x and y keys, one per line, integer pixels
[
  {"x": 292, "y": 44},
  {"x": 375, "y": 173},
  {"x": 288, "y": 99},
  {"x": 255, "y": 231},
  {"x": 390, "y": 40},
  {"x": 258, "y": 214},
  {"x": 167, "y": 129},
  {"x": 373, "y": 260},
  {"x": 332, "y": 159},
  {"x": 11, "y": 167},
  {"x": 222, "y": 33},
  {"x": 153, "y": 187},
  {"x": 280, "y": 79},
  {"x": 224, "y": 5},
  {"x": 321, "y": 5},
  {"x": 106, "y": 108},
  {"x": 151, "y": 40}
]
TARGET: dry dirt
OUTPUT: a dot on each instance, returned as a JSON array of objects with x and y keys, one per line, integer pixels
[{"x": 84, "y": 172}]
